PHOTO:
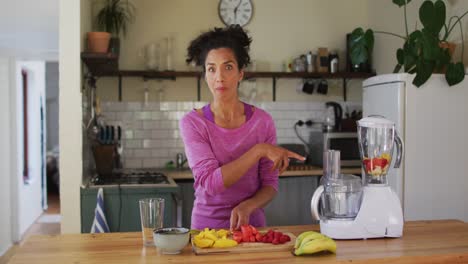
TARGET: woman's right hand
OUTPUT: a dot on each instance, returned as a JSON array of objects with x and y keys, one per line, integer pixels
[{"x": 280, "y": 156}]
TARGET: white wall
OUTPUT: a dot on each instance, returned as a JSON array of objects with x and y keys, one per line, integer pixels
[
  {"x": 5, "y": 168},
  {"x": 29, "y": 194},
  {"x": 70, "y": 135},
  {"x": 30, "y": 28}
]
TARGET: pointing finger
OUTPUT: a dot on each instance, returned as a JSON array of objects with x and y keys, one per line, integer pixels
[{"x": 295, "y": 156}]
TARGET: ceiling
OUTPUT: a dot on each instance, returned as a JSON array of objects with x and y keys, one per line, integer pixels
[{"x": 29, "y": 26}]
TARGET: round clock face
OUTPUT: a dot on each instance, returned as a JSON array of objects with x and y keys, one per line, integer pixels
[{"x": 235, "y": 11}]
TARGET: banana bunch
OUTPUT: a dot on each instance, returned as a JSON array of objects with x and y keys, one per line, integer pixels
[
  {"x": 212, "y": 238},
  {"x": 311, "y": 242}
]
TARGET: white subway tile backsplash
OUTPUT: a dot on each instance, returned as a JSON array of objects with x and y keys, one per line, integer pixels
[
  {"x": 164, "y": 106},
  {"x": 128, "y": 134},
  {"x": 131, "y": 143},
  {"x": 142, "y": 134},
  {"x": 152, "y": 163},
  {"x": 124, "y": 116},
  {"x": 143, "y": 115},
  {"x": 169, "y": 124},
  {"x": 152, "y": 143},
  {"x": 160, "y": 134},
  {"x": 160, "y": 152},
  {"x": 157, "y": 115},
  {"x": 151, "y": 134},
  {"x": 133, "y": 163},
  {"x": 151, "y": 125},
  {"x": 134, "y": 106},
  {"x": 142, "y": 153}
]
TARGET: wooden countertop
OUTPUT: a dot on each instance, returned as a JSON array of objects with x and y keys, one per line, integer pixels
[
  {"x": 443, "y": 241},
  {"x": 181, "y": 174}
]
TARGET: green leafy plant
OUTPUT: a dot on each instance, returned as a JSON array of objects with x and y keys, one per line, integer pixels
[
  {"x": 424, "y": 50},
  {"x": 115, "y": 16}
]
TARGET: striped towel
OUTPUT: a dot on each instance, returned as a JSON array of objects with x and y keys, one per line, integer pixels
[{"x": 99, "y": 223}]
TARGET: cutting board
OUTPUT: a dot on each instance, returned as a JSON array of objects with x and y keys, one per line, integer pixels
[{"x": 248, "y": 247}]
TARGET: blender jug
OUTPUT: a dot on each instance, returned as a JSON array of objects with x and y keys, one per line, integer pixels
[
  {"x": 340, "y": 194},
  {"x": 377, "y": 136}
]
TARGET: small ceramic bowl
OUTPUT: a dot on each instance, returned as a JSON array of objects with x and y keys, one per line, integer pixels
[{"x": 171, "y": 240}]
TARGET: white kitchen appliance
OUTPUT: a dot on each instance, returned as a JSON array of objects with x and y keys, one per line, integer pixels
[
  {"x": 379, "y": 214},
  {"x": 432, "y": 181}
]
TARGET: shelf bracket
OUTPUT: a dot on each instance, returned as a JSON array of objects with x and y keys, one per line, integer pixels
[
  {"x": 274, "y": 89},
  {"x": 344, "y": 90},
  {"x": 120, "y": 88}
]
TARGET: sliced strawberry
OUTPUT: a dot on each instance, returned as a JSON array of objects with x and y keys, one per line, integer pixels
[
  {"x": 277, "y": 235},
  {"x": 238, "y": 239},
  {"x": 258, "y": 237},
  {"x": 379, "y": 162},
  {"x": 246, "y": 230},
  {"x": 283, "y": 239},
  {"x": 254, "y": 230},
  {"x": 275, "y": 242}
]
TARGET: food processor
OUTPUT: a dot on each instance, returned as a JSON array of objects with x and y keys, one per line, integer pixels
[{"x": 352, "y": 208}]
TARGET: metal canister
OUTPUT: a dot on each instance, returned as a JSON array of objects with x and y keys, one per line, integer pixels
[{"x": 333, "y": 62}]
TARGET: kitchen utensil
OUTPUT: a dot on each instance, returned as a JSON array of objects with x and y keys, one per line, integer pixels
[
  {"x": 108, "y": 135},
  {"x": 171, "y": 240},
  {"x": 152, "y": 217},
  {"x": 112, "y": 136},
  {"x": 119, "y": 140},
  {"x": 380, "y": 213}
]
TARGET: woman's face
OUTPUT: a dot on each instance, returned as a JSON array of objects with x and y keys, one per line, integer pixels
[{"x": 222, "y": 73}]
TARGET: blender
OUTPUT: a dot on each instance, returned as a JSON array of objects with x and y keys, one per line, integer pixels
[{"x": 351, "y": 212}]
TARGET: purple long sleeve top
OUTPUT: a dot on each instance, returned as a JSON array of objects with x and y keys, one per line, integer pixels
[{"x": 208, "y": 147}]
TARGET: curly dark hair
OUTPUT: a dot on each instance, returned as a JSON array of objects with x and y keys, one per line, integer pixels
[{"x": 232, "y": 37}]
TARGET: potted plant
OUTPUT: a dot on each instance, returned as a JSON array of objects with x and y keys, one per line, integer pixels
[
  {"x": 425, "y": 51},
  {"x": 114, "y": 17}
]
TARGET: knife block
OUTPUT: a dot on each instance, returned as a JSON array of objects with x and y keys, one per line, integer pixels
[{"x": 106, "y": 159}]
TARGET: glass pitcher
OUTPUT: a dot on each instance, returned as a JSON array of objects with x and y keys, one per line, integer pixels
[
  {"x": 340, "y": 194},
  {"x": 376, "y": 137}
]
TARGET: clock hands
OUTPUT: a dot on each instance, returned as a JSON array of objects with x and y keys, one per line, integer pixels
[{"x": 235, "y": 10}]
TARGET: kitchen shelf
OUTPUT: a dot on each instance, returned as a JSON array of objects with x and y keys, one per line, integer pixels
[{"x": 106, "y": 64}]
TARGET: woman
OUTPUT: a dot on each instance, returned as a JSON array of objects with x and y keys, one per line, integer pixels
[{"x": 230, "y": 145}]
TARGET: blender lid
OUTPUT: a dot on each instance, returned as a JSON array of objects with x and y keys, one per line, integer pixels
[{"x": 378, "y": 122}]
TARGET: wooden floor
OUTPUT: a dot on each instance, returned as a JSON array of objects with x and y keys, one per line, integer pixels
[{"x": 40, "y": 227}]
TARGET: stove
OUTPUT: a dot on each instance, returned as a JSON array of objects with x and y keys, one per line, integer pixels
[{"x": 132, "y": 177}]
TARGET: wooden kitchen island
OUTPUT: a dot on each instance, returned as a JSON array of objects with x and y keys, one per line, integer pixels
[{"x": 443, "y": 241}]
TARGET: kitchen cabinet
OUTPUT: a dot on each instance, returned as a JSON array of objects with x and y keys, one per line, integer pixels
[
  {"x": 122, "y": 208},
  {"x": 107, "y": 65},
  {"x": 291, "y": 205}
]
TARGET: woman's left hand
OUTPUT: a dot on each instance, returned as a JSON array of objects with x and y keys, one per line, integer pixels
[{"x": 240, "y": 215}]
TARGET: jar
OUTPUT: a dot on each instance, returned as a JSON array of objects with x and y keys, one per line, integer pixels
[{"x": 334, "y": 62}]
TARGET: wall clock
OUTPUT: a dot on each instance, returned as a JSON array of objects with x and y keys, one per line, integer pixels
[{"x": 235, "y": 11}]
